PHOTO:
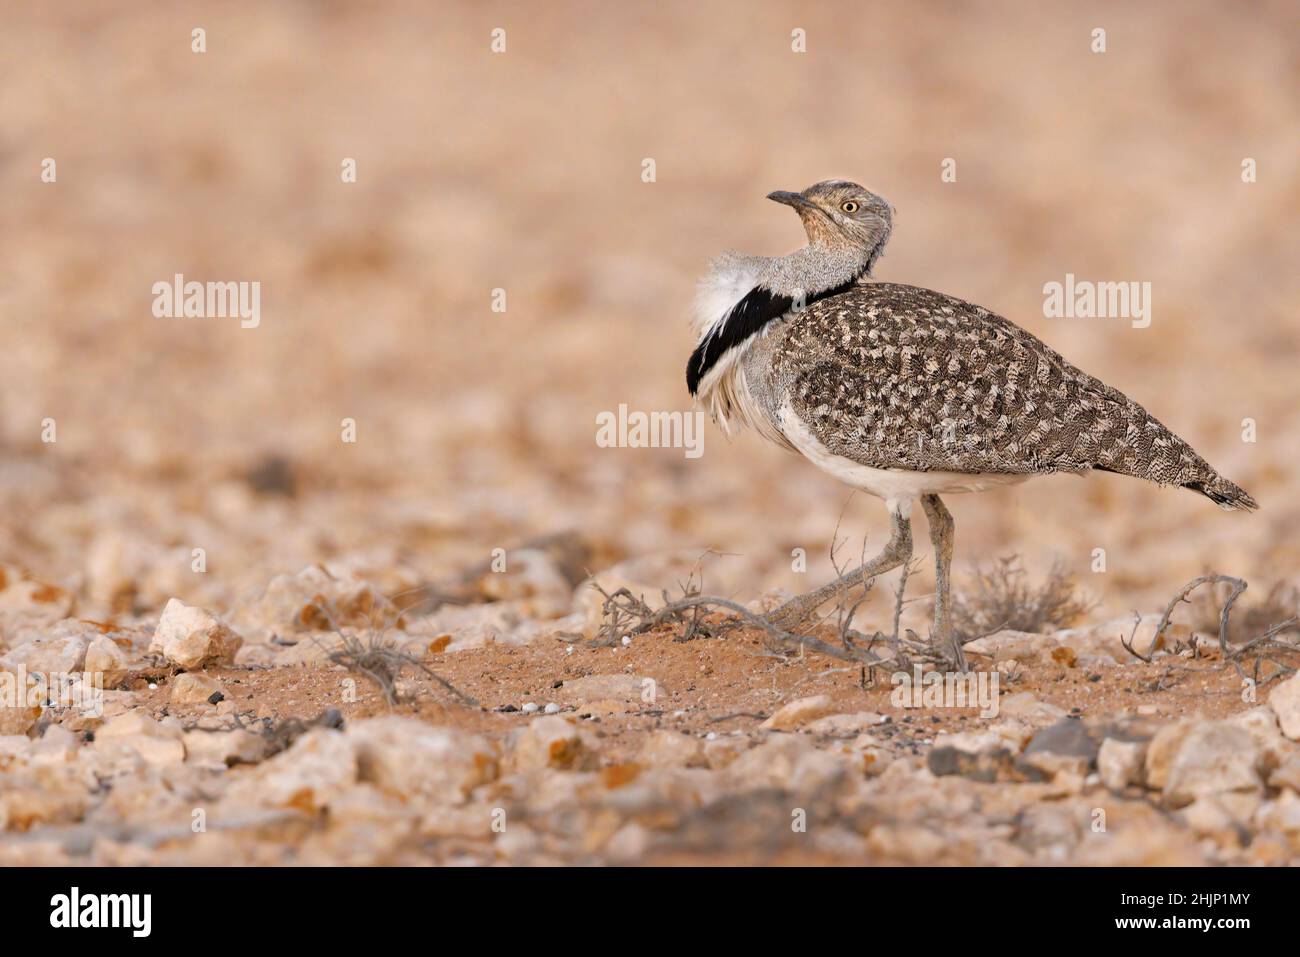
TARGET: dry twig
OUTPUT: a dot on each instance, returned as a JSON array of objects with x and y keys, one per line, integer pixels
[
  {"x": 1266, "y": 646},
  {"x": 380, "y": 660},
  {"x": 1002, "y": 597}
]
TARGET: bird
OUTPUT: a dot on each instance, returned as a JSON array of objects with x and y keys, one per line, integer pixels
[{"x": 904, "y": 392}]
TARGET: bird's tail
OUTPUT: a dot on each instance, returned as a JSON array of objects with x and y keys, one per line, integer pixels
[{"x": 1218, "y": 489}]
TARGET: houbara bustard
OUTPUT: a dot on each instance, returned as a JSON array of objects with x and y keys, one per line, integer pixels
[{"x": 904, "y": 392}]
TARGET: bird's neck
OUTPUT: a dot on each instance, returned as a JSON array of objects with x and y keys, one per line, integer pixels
[
  {"x": 816, "y": 269},
  {"x": 740, "y": 301}
]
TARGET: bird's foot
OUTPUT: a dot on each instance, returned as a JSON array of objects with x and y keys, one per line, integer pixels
[{"x": 947, "y": 647}]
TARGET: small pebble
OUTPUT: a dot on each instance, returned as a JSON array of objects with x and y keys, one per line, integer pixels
[
  {"x": 552, "y": 708},
  {"x": 569, "y": 650},
  {"x": 627, "y": 640},
  {"x": 529, "y": 707}
]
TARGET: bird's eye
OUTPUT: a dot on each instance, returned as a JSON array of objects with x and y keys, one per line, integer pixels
[{"x": 849, "y": 207}]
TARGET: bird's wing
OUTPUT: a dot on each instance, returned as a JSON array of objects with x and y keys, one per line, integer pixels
[{"x": 894, "y": 376}]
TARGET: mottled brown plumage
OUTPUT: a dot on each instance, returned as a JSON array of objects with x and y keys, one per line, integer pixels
[{"x": 898, "y": 377}]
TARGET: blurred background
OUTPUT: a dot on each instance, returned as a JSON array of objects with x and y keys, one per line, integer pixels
[{"x": 522, "y": 171}]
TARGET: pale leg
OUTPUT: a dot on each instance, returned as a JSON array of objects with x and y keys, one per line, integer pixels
[{"x": 941, "y": 537}]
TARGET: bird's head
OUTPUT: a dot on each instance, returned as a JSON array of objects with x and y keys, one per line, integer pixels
[{"x": 839, "y": 215}]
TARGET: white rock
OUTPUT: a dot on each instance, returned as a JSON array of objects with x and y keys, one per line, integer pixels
[
  {"x": 972, "y": 742},
  {"x": 20, "y": 707},
  {"x": 797, "y": 713},
  {"x": 629, "y": 843},
  {"x": 56, "y": 746},
  {"x": 1262, "y": 724},
  {"x": 550, "y": 742},
  {"x": 517, "y": 843},
  {"x": 107, "y": 658},
  {"x": 18, "y": 720},
  {"x": 790, "y": 762},
  {"x": 620, "y": 688},
  {"x": 719, "y": 752},
  {"x": 1015, "y": 735},
  {"x": 114, "y": 566},
  {"x": 666, "y": 748},
  {"x": 1107, "y": 638},
  {"x": 875, "y": 759},
  {"x": 158, "y": 743},
  {"x": 194, "y": 688},
  {"x": 1287, "y": 773},
  {"x": 1282, "y": 815},
  {"x": 1215, "y": 757},
  {"x": 59, "y": 798},
  {"x": 1161, "y": 751},
  {"x": 1025, "y": 706},
  {"x": 455, "y": 628},
  {"x": 226, "y": 747},
  {"x": 846, "y": 724},
  {"x": 34, "y": 601},
  {"x": 1096, "y": 662},
  {"x": 319, "y": 767},
  {"x": 534, "y": 581},
  {"x": 414, "y": 759},
  {"x": 1008, "y": 644},
  {"x": 192, "y": 638},
  {"x": 1221, "y": 816},
  {"x": 1285, "y": 702},
  {"x": 317, "y": 599},
  {"x": 15, "y": 750},
  {"x": 61, "y": 650},
  {"x": 1121, "y": 763}
]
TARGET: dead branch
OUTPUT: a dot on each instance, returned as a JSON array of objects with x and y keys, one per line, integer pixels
[
  {"x": 380, "y": 660},
  {"x": 1260, "y": 645},
  {"x": 627, "y": 615},
  {"x": 899, "y": 602},
  {"x": 280, "y": 735},
  {"x": 1132, "y": 637}
]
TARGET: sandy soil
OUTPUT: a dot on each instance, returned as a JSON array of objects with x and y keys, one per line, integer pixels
[
  {"x": 721, "y": 686},
  {"x": 475, "y": 429}
]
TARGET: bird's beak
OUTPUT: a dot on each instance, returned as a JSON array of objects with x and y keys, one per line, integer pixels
[{"x": 789, "y": 199}]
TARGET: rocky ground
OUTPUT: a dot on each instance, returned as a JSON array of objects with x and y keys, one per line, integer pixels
[
  {"x": 516, "y": 736},
  {"x": 390, "y": 471}
]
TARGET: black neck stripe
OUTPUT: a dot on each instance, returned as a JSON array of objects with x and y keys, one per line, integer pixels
[{"x": 745, "y": 319}]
